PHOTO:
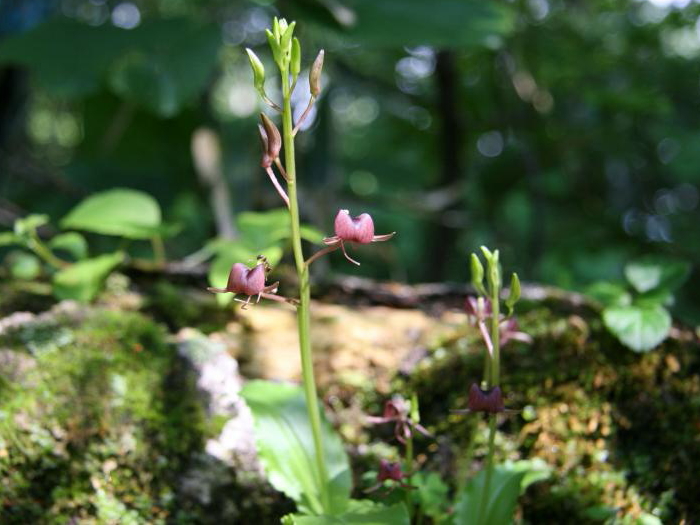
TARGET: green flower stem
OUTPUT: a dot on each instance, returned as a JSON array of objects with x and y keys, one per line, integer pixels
[
  {"x": 409, "y": 469},
  {"x": 485, "y": 493},
  {"x": 303, "y": 315},
  {"x": 493, "y": 382},
  {"x": 158, "y": 251}
]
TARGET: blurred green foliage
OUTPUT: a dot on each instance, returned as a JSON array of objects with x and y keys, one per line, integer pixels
[{"x": 562, "y": 133}]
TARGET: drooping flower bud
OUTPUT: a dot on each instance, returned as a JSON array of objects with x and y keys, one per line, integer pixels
[
  {"x": 358, "y": 229},
  {"x": 274, "y": 139},
  {"x": 315, "y": 75}
]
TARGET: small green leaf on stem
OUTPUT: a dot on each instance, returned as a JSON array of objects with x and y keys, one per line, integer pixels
[
  {"x": 315, "y": 75},
  {"x": 514, "y": 293}
]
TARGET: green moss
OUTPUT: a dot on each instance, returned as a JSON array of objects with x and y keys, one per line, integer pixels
[{"x": 102, "y": 422}]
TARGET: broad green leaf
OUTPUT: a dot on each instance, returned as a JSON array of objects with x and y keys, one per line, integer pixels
[
  {"x": 653, "y": 272},
  {"x": 444, "y": 23},
  {"x": 169, "y": 64},
  {"x": 285, "y": 446},
  {"x": 71, "y": 242},
  {"x": 639, "y": 327},
  {"x": 609, "y": 294},
  {"x": 66, "y": 57},
  {"x": 82, "y": 281},
  {"x": 508, "y": 482},
  {"x": 23, "y": 265},
  {"x": 123, "y": 212},
  {"x": 360, "y": 512}
]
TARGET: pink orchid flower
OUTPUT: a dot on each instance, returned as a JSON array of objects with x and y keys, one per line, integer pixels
[
  {"x": 250, "y": 282},
  {"x": 358, "y": 230},
  {"x": 389, "y": 471},
  {"x": 396, "y": 411}
]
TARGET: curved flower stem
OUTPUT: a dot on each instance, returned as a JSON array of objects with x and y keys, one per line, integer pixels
[
  {"x": 303, "y": 314},
  {"x": 321, "y": 253},
  {"x": 277, "y": 185},
  {"x": 304, "y": 115},
  {"x": 270, "y": 103}
]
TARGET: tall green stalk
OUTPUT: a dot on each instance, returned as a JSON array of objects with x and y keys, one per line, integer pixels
[
  {"x": 303, "y": 314},
  {"x": 493, "y": 368}
]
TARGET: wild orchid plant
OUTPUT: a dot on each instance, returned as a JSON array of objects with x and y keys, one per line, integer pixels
[
  {"x": 485, "y": 308},
  {"x": 251, "y": 282}
]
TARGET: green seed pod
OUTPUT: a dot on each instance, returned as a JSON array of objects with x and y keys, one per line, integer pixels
[
  {"x": 514, "y": 294},
  {"x": 477, "y": 274},
  {"x": 315, "y": 75},
  {"x": 258, "y": 71},
  {"x": 295, "y": 62}
]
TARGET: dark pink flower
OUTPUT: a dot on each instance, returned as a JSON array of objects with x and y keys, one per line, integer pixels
[
  {"x": 358, "y": 230},
  {"x": 248, "y": 281},
  {"x": 509, "y": 332},
  {"x": 396, "y": 411},
  {"x": 489, "y": 401},
  {"x": 389, "y": 471}
]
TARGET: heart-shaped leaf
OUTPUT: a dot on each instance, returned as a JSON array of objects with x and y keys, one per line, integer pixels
[
  {"x": 652, "y": 272},
  {"x": 639, "y": 326}
]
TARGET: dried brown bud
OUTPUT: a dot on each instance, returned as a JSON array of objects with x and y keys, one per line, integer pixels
[
  {"x": 274, "y": 139},
  {"x": 315, "y": 75}
]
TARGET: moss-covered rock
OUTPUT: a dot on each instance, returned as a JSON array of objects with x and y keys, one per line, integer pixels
[
  {"x": 101, "y": 422},
  {"x": 620, "y": 428}
]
